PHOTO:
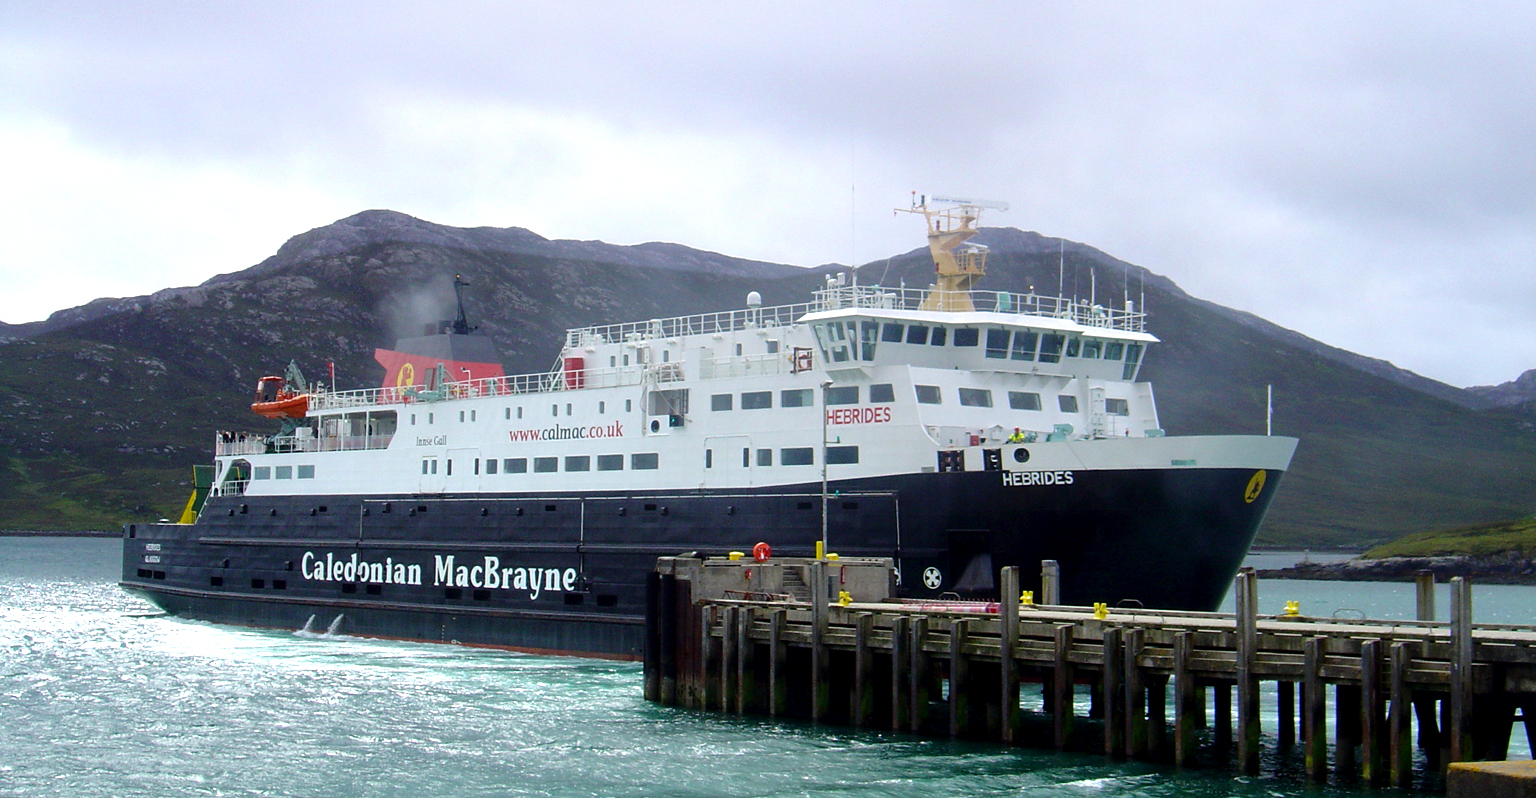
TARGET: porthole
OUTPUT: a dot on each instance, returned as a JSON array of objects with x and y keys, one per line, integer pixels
[{"x": 1021, "y": 455}]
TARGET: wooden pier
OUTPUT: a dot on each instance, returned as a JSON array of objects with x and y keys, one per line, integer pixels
[{"x": 825, "y": 641}]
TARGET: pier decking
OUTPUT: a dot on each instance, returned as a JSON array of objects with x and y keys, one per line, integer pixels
[{"x": 956, "y": 668}]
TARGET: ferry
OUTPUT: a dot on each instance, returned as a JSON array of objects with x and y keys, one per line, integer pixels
[{"x": 952, "y": 429}]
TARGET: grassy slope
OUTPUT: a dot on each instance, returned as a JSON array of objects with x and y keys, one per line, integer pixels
[{"x": 1483, "y": 539}]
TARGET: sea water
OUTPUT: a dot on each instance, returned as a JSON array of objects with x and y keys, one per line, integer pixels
[{"x": 100, "y": 696}]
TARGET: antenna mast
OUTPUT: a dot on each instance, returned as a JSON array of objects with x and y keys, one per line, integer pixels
[
  {"x": 957, "y": 264},
  {"x": 461, "y": 322}
]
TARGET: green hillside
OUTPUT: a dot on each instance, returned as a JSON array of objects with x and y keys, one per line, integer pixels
[{"x": 1518, "y": 536}]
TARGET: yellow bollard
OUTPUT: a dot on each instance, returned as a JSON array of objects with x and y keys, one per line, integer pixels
[
  {"x": 1100, "y": 610},
  {"x": 1027, "y": 597},
  {"x": 735, "y": 555},
  {"x": 844, "y": 598},
  {"x": 1292, "y": 608},
  {"x": 832, "y": 557},
  {"x": 821, "y": 550}
]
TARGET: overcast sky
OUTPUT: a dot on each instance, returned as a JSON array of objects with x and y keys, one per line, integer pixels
[{"x": 1364, "y": 173}]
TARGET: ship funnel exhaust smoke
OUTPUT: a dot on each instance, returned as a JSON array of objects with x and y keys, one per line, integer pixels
[{"x": 411, "y": 312}]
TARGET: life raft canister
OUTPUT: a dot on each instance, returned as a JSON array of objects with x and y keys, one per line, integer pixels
[{"x": 761, "y": 552}]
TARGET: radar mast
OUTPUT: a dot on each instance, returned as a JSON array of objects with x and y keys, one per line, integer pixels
[{"x": 957, "y": 265}]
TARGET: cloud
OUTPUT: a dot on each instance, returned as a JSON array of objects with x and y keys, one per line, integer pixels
[{"x": 1361, "y": 172}]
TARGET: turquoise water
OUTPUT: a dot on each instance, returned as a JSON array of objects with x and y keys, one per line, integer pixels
[{"x": 98, "y": 700}]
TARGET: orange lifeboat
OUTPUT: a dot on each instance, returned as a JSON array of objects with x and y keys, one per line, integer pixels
[{"x": 274, "y": 399}]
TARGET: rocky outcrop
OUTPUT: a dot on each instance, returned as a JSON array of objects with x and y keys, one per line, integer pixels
[{"x": 1505, "y": 568}]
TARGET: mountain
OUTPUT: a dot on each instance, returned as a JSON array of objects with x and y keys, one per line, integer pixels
[
  {"x": 106, "y": 405},
  {"x": 1518, "y": 394}
]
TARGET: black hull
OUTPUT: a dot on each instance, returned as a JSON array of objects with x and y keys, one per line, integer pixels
[{"x": 1167, "y": 538}]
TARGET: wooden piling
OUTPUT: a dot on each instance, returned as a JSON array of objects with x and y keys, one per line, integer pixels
[
  {"x": 959, "y": 679},
  {"x": 651, "y": 654},
  {"x": 1248, "y": 726},
  {"x": 1460, "y": 727},
  {"x": 1050, "y": 583},
  {"x": 1135, "y": 695},
  {"x": 1314, "y": 709},
  {"x": 1221, "y": 705},
  {"x": 729, "y": 637},
  {"x": 1186, "y": 697},
  {"x": 1286, "y": 713},
  {"x": 1400, "y": 717},
  {"x": 746, "y": 664},
  {"x": 918, "y": 674},
  {"x": 667, "y": 639},
  {"x": 1111, "y": 693},
  {"x": 1063, "y": 692},
  {"x": 709, "y": 659},
  {"x": 1157, "y": 716},
  {"x": 1346, "y": 725},
  {"x": 901, "y": 660},
  {"x": 863, "y": 670},
  {"x": 778, "y": 671},
  {"x": 1373, "y": 742},
  {"x": 1007, "y": 665},
  {"x": 1424, "y": 595}
]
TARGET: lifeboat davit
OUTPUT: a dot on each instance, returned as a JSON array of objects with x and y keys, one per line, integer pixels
[{"x": 274, "y": 399}]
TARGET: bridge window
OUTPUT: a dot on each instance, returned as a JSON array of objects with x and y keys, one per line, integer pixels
[
  {"x": 546, "y": 465},
  {"x": 868, "y": 332},
  {"x": 967, "y": 336},
  {"x": 1091, "y": 349},
  {"x": 891, "y": 333},
  {"x": 1067, "y": 402},
  {"x": 997, "y": 343},
  {"x": 843, "y": 395},
  {"x": 1132, "y": 358},
  {"x": 800, "y": 455},
  {"x": 939, "y": 336},
  {"x": 917, "y": 334},
  {"x": 1023, "y": 400},
  {"x": 643, "y": 461},
  {"x": 796, "y": 397},
  {"x": 928, "y": 395},
  {"x": 1050, "y": 347},
  {"x": 975, "y": 397},
  {"x": 1024, "y": 345},
  {"x": 842, "y": 455},
  {"x": 1117, "y": 407},
  {"x": 882, "y": 392},
  {"x": 757, "y": 400},
  {"x": 1074, "y": 344},
  {"x": 1113, "y": 350}
]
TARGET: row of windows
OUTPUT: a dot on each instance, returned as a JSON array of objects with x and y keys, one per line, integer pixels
[
  {"x": 846, "y": 340},
  {"x": 802, "y": 397},
  {"x": 283, "y": 472},
  {"x": 791, "y": 456},
  {"x": 640, "y": 461},
  {"x": 554, "y": 410},
  {"x": 1017, "y": 400}
]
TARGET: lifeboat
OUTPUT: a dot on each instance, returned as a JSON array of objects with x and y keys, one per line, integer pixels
[{"x": 274, "y": 399}]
